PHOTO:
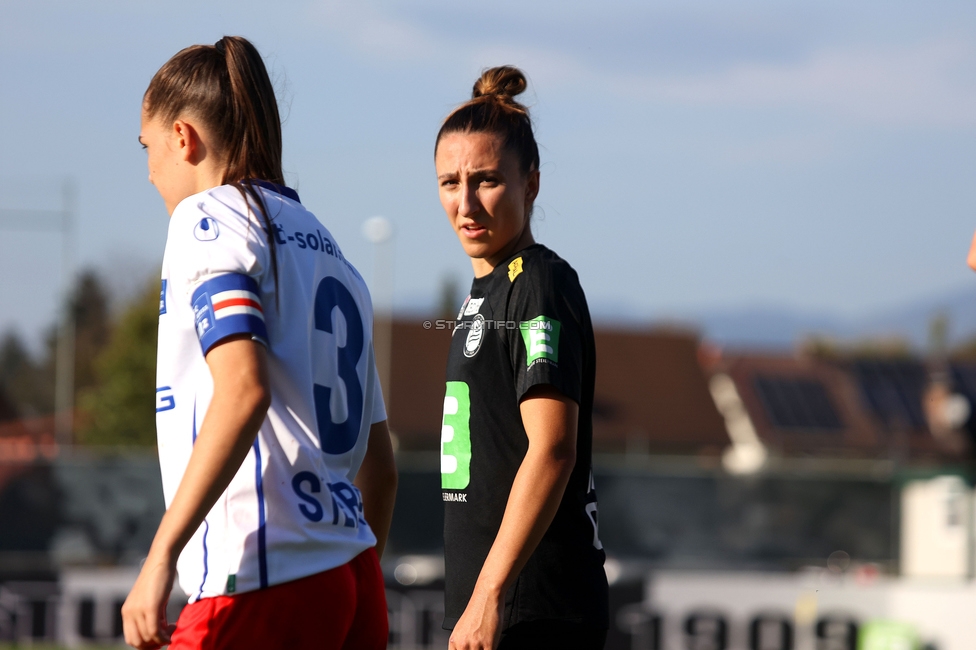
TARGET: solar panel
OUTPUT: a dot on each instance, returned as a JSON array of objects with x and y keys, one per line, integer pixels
[
  {"x": 797, "y": 403},
  {"x": 893, "y": 390},
  {"x": 964, "y": 379}
]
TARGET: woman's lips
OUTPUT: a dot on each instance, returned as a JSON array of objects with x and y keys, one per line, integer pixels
[{"x": 473, "y": 231}]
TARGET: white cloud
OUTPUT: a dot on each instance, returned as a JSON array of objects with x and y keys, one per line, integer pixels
[{"x": 926, "y": 85}]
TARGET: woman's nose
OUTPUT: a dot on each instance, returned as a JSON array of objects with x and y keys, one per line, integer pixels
[{"x": 469, "y": 203}]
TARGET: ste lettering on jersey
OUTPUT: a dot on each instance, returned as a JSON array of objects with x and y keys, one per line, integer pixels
[
  {"x": 525, "y": 324},
  {"x": 291, "y": 510}
]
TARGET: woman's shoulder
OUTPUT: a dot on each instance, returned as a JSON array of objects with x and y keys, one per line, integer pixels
[
  {"x": 219, "y": 214},
  {"x": 539, "y": 267},
  {"x": 223, "y": 201}
]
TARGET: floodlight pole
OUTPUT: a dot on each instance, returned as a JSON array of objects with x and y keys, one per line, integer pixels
[
  {"x": 64, "y": 358},
  {"x": 64, "y": 369}
]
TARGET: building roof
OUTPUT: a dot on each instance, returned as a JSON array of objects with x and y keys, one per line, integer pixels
[
  {"x": 651, "y": 393},
  {"x": 801, "y": 406},
  {"x": 856, "y": 406}
]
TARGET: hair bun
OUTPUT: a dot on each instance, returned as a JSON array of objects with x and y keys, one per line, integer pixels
[{"x": 505, "y": 81}]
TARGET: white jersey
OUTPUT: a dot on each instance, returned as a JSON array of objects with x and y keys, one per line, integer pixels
[{"x": 292, "y": 510}]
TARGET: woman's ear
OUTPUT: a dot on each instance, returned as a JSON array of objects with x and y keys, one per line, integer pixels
[
  {"x": 186, "y": 141},
  {"x": 531, "y": 188}
]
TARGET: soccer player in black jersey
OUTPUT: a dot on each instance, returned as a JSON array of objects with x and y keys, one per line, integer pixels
[{"x": 524, "y": 562}]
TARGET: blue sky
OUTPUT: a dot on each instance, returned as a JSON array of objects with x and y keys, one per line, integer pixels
[{"x": 696, "y": 155}]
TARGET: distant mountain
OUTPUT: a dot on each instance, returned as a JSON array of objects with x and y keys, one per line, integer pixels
[{"x": 770, "y": 326}]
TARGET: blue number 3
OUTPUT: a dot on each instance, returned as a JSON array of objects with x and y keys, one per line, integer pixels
[{"x": 338, "y": 438}]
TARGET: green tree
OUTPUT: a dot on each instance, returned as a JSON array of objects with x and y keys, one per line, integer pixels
[
  {"x": 27, "y": 384},
  {"x": 89, "y": 306},
  {"x": 118, "y": 409}
]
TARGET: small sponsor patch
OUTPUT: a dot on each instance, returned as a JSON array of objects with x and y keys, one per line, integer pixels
[
  {"x": 474, "y": 305},
  {"x": 475, "y": 336},
  {"x": 203, "y": 315},
  {"x": 541, "y": 338},
  {"x": 514, "y": 269},
  {"x": 458, "y": 497},
  {"x": 463, "y": 307},
  {"x": 232, "y": 583}
]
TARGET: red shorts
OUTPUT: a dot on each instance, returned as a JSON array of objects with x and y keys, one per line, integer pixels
[{"x": 340, "y": 609}]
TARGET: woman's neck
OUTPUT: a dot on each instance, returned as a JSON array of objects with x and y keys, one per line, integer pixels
[{"x": 484, "y": 265}]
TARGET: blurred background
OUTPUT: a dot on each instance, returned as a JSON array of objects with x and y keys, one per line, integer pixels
[{"x": 769, "y": 207}]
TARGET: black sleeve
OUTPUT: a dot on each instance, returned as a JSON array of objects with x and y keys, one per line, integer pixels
[{"x": 547, "y": 345}]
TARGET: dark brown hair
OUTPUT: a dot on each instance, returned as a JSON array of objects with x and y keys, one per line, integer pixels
[
  {"x": 227, "y": 88},
  {"x": 493, "y": 109}
]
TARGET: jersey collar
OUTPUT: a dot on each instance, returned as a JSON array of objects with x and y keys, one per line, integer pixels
[{"x": 278, "y": 189}]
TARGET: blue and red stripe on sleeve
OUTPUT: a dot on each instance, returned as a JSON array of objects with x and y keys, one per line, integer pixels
[{"x": 227, "y": 305}]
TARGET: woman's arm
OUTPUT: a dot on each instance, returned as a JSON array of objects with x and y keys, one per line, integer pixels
[
  {"x": 377, "y": 481},
  {"x": 550, "y": 421},
  {"x": 241, "y": 398}
]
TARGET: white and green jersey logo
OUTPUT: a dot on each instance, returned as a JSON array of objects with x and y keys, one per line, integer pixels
[
  {"x": 541, "y": 337},
  {"x": 456, "y": 437}
]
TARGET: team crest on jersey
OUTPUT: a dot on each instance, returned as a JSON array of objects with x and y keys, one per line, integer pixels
[
  {"x": 206, "y": 229},
  {"x": 475, "y": 336},
  {"x": 514, "y": 269}
]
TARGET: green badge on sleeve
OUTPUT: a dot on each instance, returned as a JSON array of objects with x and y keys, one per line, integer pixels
[{"x": 541, "y": 337}]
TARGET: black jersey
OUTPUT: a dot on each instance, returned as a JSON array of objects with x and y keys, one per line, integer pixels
[{"x": 526, "y": 323}]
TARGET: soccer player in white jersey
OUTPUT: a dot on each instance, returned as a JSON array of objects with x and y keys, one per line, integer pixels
[{"x": 277, "y": 466}]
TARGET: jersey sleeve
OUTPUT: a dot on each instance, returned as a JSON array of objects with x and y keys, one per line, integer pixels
[
  {"x": 546, "y": 346},
  {"x": 218, "y": 260}
]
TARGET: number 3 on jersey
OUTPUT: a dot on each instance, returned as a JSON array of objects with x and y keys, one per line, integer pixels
[
  {"x": 456, "y": 437},
  {"x": 339, "y": 437}
]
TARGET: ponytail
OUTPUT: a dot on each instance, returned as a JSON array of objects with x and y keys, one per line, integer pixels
[{"x": 227, "y": 88}]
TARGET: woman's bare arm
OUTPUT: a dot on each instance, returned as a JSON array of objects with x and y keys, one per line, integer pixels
[{"x": 377, "y": 482}]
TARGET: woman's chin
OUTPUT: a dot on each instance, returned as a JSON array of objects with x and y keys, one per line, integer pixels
[{"x": 476, "y": 249}]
